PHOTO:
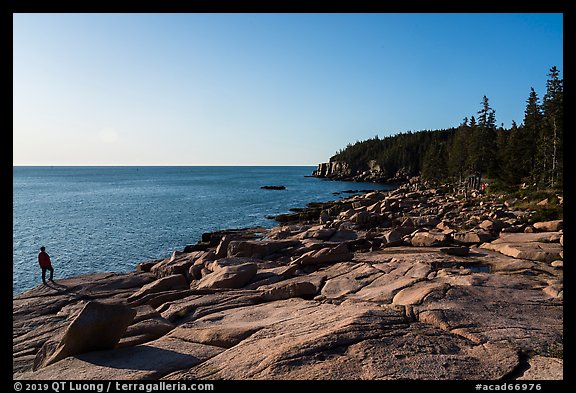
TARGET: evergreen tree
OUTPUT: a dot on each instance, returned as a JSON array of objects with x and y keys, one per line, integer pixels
[
  {"x": 473, "y": 148},
  {"x": 531, "y": 152},
  {"x": 459, "y": 151},
  {"x": 486, "y": 139},
  {"x": 434, "y": 165},
  {"x": 551, "y": 137},
  {"x": 501, "y": 156},
  {"x": 523, "y": 153}
]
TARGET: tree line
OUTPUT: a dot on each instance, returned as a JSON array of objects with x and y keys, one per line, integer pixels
[{"x": 529, "y": 154}]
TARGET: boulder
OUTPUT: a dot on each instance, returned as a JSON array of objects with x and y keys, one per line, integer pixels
[
  {"x": 319, "y": 233},
  {"x": 429, "y": 239},
  {"x": 147, "y": 265},
  {"x": 178, "y": 263},
  {"x": 492, "y": 225},
  {"x": 361, "y": 218},
  {"x": 176, "y": 281},
  {"x": 339, "y": 253},
  {"x": 426, "y": 221},
  {"x": 472, "y": 237},
  {"x": 557, "y": 263},
  {"x": 549, "y": 226},
  {"x": 233, "y": 276},
  {"x": 147, "y": 325},
  {"x": 394, "y": 236},
  {"x": 222, "y": 249},
  {"x": 258, "y": 248},
  {"x": 149, "y": 361},
  {"x": 98, "y": 326},
  {"x": 296, "y": 287},
  {"x": 344, "y": 235}
]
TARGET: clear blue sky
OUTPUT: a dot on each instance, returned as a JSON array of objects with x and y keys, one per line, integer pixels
[{"x": 261, "y": 89}]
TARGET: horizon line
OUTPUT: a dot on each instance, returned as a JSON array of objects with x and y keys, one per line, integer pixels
[{"x": 156, "y": 165}]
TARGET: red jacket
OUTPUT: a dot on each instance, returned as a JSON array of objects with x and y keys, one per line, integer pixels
[{"x": 44, "y": 259}]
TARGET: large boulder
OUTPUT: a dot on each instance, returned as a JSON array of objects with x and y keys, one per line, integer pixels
[
  {"x": 178, "y": 263},
  {"x": 233, "y": 276},
  {"x": 549, "y": 226},
  {"x": 98, "y": 326},
  {"x": 429, "y": 239},
  {"x": 304, "y": 286}
]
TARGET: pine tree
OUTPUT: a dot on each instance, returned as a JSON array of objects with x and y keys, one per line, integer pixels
[
  {"x": 458, "y": 151},
  {"x": 473, "y": 148},
  {"x": 552, "y": 132},
  {"x": 524, "y": 153},
  {"x": 434, "y": 162},
  {"x": 486, "y": 139},
  {"x": 501, "y": 156}
]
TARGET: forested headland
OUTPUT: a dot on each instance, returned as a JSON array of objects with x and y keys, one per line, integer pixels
[{"x": 528, "y": 155}]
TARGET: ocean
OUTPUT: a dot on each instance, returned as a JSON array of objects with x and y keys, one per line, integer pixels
[{"x": 108, "y": 219}]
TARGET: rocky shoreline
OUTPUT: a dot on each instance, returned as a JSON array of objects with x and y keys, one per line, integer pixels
[{"x": 412, "y": 283}]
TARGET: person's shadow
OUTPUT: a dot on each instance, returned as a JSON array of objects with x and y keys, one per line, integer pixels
[{"x": 56, "y": 286}]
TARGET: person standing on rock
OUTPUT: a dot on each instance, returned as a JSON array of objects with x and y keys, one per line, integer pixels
[{"x": 45, "y": 264}]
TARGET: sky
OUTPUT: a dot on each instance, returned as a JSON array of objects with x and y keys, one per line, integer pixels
[{"x": 262, "y": 89}]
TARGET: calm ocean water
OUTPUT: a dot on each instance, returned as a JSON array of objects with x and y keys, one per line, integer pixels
[{"x": 100, "y": 219}]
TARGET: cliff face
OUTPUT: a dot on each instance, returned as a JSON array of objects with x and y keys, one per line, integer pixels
[
  {"x": 334, "y": 169},
  {"x": 364, "y": 172}
]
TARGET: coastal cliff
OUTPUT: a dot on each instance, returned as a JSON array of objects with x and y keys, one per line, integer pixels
[
  {"x": 412, "y": 283},
  {"x": 367, "y": 172}
]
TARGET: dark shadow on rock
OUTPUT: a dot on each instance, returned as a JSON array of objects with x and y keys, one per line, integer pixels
[
  {"x": 56, "y": 286},
  {"x": 141, "y": 357},
  {"x": 476, "y": 253}
]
